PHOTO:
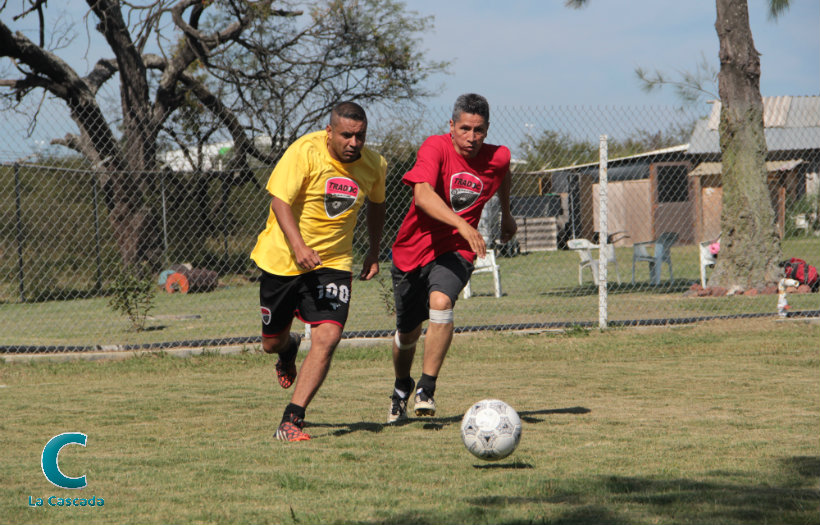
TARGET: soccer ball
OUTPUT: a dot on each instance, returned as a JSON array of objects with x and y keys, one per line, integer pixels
[{"x": 491, "y": 429}]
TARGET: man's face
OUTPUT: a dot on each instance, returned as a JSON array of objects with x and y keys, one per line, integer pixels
[
  {"x": 345, "y": 139},
  {"x": 468, "y": 134}
]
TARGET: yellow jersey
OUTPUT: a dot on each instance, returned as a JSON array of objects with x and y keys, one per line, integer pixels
[{"x": 325, "y": 196}]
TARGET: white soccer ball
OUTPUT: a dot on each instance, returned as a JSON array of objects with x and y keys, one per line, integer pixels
[{"x": 491, "y": 429}]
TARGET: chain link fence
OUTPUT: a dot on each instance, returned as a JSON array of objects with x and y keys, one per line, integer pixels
[{"x": 62, "y": 250}]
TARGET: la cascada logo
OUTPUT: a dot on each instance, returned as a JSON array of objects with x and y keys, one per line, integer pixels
[
  {"x": 51, "y": 468},
  {"x": 49, "y": 462}
]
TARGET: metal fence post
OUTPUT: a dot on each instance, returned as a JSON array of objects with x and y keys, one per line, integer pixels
[
  {"x": 19, "y": 226},
  {"x": 164, "y": 218},
  {"x": 603, "y": 252},
  {"x": 97, "y": 243}
]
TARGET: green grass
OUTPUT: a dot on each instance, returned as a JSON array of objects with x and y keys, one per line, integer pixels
[
  {"x": 538, "y": 288},
  {"x": 709, "y": 423}
]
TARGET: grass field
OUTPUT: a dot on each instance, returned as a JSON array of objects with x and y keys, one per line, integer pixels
[
  {"x": 539, "y": 287},
  {"x": 710, "y": 423}
]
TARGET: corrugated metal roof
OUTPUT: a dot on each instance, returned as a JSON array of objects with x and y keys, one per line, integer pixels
[
  {"x": 775, "y": 112},
  {"x": 791, "y": 123},
  {"x": 715, "y": 168},
  {"x": 682, "y": 148}
]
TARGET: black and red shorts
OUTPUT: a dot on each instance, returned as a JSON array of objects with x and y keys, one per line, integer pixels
[
  {"x": 448, "y": 273},
  {"x": 319, "y": 296}
]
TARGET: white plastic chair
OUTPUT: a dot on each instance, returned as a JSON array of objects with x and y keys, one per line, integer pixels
[
  {"x": 801, "y": 222},
  {"x": 610, "y": 259},
  {"x": 486, "y": 264},
  {"x": 707, "y": 259},
  {"x": 661, "y": 254},
  {"x": 584, "y": 249}
]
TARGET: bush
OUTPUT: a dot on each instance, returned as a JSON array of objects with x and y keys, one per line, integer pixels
[{"x": 132, "y": 294}]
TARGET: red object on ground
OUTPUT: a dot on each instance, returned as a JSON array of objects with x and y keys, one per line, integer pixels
[{"x": 176, "y": 282}]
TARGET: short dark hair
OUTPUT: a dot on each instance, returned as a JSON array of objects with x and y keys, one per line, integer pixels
[
  {"x": 473, "y": 104},
  {"x": 349, "y": 110}
]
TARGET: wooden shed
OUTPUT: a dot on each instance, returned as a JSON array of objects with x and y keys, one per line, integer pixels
[
  {"x": 679, "y": 189},
  {"x": 649, "y": 193},
  {"x": 785, "y": 178},
  {"x": 792, "y": 131}
]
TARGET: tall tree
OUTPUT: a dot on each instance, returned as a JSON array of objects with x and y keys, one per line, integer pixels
[
  {"x": 264, "y": 67},
  {"x": 750, "y": 244}
]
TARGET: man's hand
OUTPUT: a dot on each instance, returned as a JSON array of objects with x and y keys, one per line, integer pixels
[
  {"x": 475, "y": 239},
  {"x": 306, "y": 258},
  {"x": 432, "y": 204},
  {"x": 508, "y": 228},
  {"x": 370, "y": 267}
]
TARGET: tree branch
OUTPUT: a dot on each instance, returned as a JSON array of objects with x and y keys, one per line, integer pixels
[
  {"x": 242, "y": 145},
  {"x": 103, "y": 70},
  {"x": 49, "y": 72}
]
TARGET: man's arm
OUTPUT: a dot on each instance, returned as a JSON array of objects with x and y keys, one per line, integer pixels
[
  {"x": 508, "y": 225},
  {"x": 432, "y": 204},
  {"x": 306, "y": 258},
  {"x": 375, "y": 227}
]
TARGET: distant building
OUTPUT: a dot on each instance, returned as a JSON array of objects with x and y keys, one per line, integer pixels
[
  {"x": 792, "y": 131},
  {"x": 648, "y": 194},
  {"x": 679, "y": 188},
  {"x": 207, "y": 157}
]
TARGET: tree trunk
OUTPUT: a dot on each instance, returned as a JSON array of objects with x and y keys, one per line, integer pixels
[
  {"x": 133, "y": 218},
  {"x": 750, "y": 245}
]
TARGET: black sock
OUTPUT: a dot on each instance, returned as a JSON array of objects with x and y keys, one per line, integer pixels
[
  {"x": 296, "y": 410},
  {"x": 404, "y": 384},
  {"x": 428, "y": 384},
  {"x": 288, "y": 354}
]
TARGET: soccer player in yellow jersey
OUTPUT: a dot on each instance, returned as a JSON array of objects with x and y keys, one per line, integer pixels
[{"x": 306, "y": 250}]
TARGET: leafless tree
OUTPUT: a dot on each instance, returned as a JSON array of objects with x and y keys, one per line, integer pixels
[{"x": 243, "y": 67}]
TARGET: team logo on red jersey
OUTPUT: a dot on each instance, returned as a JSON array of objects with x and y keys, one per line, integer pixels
[
  {"x": 340, "y": 195},
  {"x": 464, "y": 190}
]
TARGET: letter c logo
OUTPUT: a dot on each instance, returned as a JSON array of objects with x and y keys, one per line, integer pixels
[{"x": 49, "y": 460}]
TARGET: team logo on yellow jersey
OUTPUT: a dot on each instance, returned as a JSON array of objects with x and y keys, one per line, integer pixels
[{"x": 340, "y": 195}]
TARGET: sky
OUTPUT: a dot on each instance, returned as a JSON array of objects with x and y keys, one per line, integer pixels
[
  {"x": 521, "y": 53},
  {"x": 540, "y": 53}
]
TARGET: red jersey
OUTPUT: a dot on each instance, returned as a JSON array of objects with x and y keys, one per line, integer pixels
[{"x": 465, "y": 185}]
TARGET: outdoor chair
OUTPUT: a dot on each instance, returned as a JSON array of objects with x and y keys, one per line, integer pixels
[
  {"x": 486, "y": 264},
  {"x": 707, "y": 259},
  {"x": 584, "y": 249},
  {"x": 661, "y": 254},
  {"x": 801, "y": 222}
]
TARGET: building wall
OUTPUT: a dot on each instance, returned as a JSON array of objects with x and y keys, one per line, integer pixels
[
  {"x": 630, "y": 210},
  {"x": 712, "y": 199}
]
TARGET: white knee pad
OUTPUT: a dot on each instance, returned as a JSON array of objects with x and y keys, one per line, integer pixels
[
  {"x": 406, "y": 346},
  {"x": 441, "y": 316}
]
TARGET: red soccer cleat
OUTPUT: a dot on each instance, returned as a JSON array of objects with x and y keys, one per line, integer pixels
[{"x": 292, "y": 430}]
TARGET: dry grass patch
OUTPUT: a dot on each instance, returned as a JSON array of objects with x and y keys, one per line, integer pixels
[{"x": 713, "y": 423}]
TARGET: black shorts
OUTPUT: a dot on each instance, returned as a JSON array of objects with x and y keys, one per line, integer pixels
[
  {"x": 448, "y": 273},
  {"x": 316, "y": 297}
]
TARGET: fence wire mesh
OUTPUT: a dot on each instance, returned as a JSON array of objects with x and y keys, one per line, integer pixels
[{"x": 67, "y": 229}]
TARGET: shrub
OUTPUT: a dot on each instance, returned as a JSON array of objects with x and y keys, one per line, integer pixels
[{"x": 132, "y": 294}]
